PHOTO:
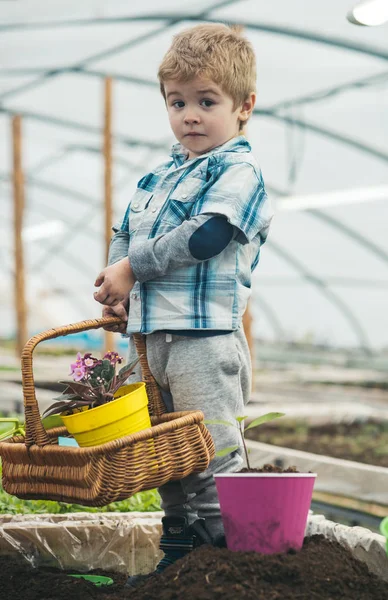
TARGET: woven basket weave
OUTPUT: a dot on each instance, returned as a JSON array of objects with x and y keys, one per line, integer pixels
[{"x": 35, "y": 467}]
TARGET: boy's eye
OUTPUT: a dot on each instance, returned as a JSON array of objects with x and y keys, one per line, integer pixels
[
  {"x": 207, "y": 102},
  {"x": 178, "y": 104}
]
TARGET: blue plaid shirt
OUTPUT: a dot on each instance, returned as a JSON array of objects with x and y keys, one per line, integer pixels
[{"x": 210, "y": 294}]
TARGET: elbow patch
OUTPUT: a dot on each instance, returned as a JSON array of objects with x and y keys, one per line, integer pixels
[{"x": 211, "y": 238}]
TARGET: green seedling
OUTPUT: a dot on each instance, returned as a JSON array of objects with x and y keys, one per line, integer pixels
[
  {"x": 10, "y": 427},
  {"x": 239, "y": 425},
  {"x": 97, "y": 580},
  {"x": 384, "y": 532}
]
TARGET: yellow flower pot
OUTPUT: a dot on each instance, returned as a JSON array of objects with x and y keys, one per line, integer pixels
[{"x": 127, "y": 414}]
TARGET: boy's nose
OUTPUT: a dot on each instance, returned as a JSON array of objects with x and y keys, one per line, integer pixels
[{"x": 191, "y": 117}]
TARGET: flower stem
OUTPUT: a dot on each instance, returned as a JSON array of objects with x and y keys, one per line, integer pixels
[{"x": 244, "y": 444}]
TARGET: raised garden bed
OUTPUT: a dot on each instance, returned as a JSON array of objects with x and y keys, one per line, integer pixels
[
  {"x": 338, "y": 477},
  {"x": 365, "y": 442},
  {"x": 322, "y": 569},
  {"x": 128, "y": 543}
]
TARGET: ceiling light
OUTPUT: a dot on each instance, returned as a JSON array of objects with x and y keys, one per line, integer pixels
[
  {"x": 337, "y": 198},
  {"x": 369, "y": 13},
  {"x": 45, "y": 230}
]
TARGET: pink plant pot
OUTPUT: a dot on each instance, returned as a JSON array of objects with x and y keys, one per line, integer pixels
[{"x": 265, "y": 512}]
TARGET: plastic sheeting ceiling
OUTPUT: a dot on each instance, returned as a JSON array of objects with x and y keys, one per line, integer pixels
[{"x": 320, "y": 127}]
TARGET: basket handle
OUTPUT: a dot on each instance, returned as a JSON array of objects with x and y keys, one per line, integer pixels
[
  {"x": 35, "y": 431},
  {"x": 155, "y": 400}
]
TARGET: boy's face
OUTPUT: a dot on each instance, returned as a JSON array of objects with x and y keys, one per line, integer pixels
[{"x": 201, "y": 115}]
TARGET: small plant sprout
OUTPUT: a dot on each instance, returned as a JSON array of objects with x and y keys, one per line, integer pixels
[{"x": 240, "y": 426}]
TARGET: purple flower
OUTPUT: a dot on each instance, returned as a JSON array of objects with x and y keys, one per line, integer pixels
[
  {"x": 77, "y": 363},
  {"x": 98, "y": 384},
  {"x": 74, "y": 366},
  {"x": 79, "y": 373},
  {"x": 113, "y": 358}
]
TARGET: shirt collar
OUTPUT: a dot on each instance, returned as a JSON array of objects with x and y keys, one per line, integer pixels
[{"x": 237, "y": 144}]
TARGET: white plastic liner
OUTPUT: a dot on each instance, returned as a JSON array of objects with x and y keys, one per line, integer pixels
[
  {"x": 128, "y": 542},
  {"x": 120, "y": 542},
  {"x": 335, "y": 475}
]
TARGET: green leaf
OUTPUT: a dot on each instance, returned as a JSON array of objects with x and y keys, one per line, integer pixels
[
  {"x": 77, "y": 387},
  {"x": 55, "y": 409},
  {"x": 264, "y": 419},
  {"x": 66, "y": 405},
  {"x": 53, "y": 421},
  {"x": 65, "y": 397},
  {"x": 8, "y": 425},
  {"x": 126, "y": 371},
  {"x": 8, "y": 433},
  {"x": 218, "y": 422},
  {"x": 108, "y": 371},
  {"x": 240, "y": 419},
  {"x": 226, "y": 451},
  {"x": 97, "y": 371}
]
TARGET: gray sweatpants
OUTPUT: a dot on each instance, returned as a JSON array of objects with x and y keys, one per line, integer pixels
[{"x": 212, "y": 374}]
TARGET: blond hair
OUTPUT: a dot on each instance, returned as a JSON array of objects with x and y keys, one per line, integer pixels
[{"x": 214, "y": 51}]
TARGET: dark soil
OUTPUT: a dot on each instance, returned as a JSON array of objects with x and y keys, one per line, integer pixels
[
  {"x": 322, "y": 570},
  {"x": 269, "y": 469},
  {"x": 365, "y": 442}
]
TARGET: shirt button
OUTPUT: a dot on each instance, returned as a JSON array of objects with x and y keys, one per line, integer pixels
[
  {"x": 154, "y": 210},
  {"x": 184, "y": 196},
  {"x": 135, "y": 206}
]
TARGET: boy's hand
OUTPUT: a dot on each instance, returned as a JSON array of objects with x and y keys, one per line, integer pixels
[
  {"x": 116, "y": 282},
  {"x": 119, "y": 310}
]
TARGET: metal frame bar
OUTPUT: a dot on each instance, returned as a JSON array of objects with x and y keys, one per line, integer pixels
[
  {"x": 67, "y": 292},
  {"x": 322, "y": 286},
  {"x": 293, "y": 32},
  {"x": 346, "y": 230},
  {"x": 350, "y": 233},
  {"x": 171, "y": 21},
  {"x": 320, "y": 95},
  {"x": 269, "y": 112},
  {"x": 288, "y": 281},
  {"x": 270, "y": 314},
  {"x": 68, "y": 124},
  {"x": 79, "y": 65},
  {"x": 323, "y": 131},
  {"x": 56, "y": 188},
  {"x": 316, "y": 96}
]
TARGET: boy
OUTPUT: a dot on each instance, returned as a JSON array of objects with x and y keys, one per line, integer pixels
[{"x": 180, "y": 262}]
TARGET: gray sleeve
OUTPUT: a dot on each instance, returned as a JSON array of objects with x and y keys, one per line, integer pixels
[
  {"x": 118, "y": 247},
  {"x": 194, "y": 241}
]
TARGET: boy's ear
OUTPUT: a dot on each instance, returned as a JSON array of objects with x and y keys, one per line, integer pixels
[{"x": 247, "y": 107}]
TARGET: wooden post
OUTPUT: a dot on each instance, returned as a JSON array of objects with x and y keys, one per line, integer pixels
[
  {"x": 18, "y": 197},
  {"x": 247, "y": 324},
  {"x": 109, "y": 336}
]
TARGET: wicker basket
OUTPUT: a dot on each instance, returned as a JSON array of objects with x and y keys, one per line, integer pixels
[{"x": 35, "y": 467}]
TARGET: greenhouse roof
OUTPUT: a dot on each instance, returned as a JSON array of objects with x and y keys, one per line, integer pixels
[{"x": 319, "y": 131}]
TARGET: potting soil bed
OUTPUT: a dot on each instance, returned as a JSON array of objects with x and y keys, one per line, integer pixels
[
  {"x": 361, "y": 442},
  {"x": 322, "y": 570}
]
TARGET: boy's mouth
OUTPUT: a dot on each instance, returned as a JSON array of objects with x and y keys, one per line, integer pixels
[{"x": 194, "y": 134}]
